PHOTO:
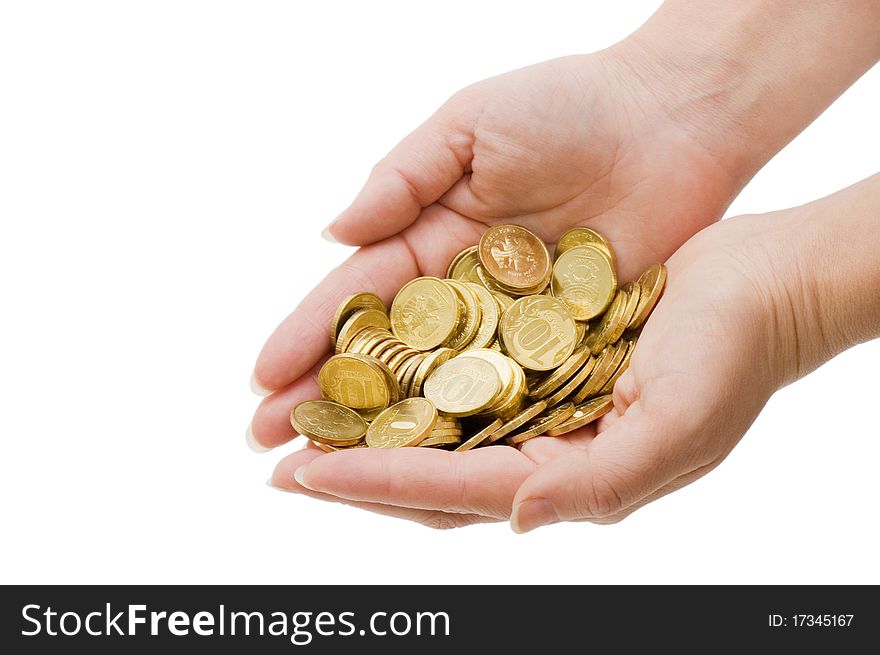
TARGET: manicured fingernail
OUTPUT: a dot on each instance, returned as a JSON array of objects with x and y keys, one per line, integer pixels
[
  {"x": 328, "y": 236},
  {"x": 256, "y": 388},
  {"x": 253, "y": 444},
  {"x": 299, "y": 475},
  {"x": 531, "y": 514}
]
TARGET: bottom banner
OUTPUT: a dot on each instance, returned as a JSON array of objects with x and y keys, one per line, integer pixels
[{"x": 106, "y": 619}]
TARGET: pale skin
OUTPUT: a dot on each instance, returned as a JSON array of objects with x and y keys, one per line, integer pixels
[{"x": 648, "y": 142}]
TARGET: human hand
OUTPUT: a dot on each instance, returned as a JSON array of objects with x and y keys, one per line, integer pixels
[{"x": 722, "y": 324}]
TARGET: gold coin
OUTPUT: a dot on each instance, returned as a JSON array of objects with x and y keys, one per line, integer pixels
[
  {"x": 425, "y": 313},
  {"x": 550, "y": 420},
  {"x": 518, "y": 421},
  {"x": 585, "y": 280},
  {"x": 327, "y": 422},
  {"x": 651, "y": 283},
  {"x": 325, "y": 447},
  {"x": 511, "y": 376},
  {"x": 584, "y": 415},
  {"x": 356, "y": 381},
  {"x": 428, "y": 366},
  {"x": 407, "y": 374},
  {"x": 632, "y": 300},
  {"x": 583, "y": 236},
  {"x": 480, "y": 436},
  {"x": 514, "y": 256},
  {"x": 349, "y": 306},
  {"x": 558, "y": 376},
  {"x": 581, "y": 333},
  {"x": 463, "y": 266},
  {"x": 471, "y": 316},
  {"x": 621, "y": 369},
  {"x": 599, "y": 377},
  {"x": 504, "y": 301},
  {"x": 494, "y": 345},
  {"x": 406, "y": 423},
  {"x": 569, "y": 387},
  {"x": 538, "y": 332},
  {"x": 360, "y": 320},
  {"x": 440, "y": 441},
  {"x": 489, "y": 315},
  {"x": 446, "y": 432},
  {"x": 463, "y": 386},
  {"x": 599, "y": 335}
]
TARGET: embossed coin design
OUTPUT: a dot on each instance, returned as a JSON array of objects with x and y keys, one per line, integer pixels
[
  {"x": 352, "y": 380},
  {"x": 463, "y": 386},
  {"x": 403, "y": 424},
  {"x": 514, "y": 256},
  {"x": 328, "y": 423},
  {"x": 585, "y": 280},
  {"x": 538, "y": 332},
  {"x": 425, "y": 313}
]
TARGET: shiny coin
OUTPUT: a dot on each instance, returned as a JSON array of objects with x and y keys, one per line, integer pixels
[
  {"x": 584, "y": 415},
  {"x": 356, "y": 381},
  {"x": 480, "y": 436},
  {"x": 583, "y": 236},
  {"x": 633, "y": 293},
  {"x": 550, "y": 420},
  {"x": 651, "y": 283},
  {"x": 569, "y": 387},
  {"x": 358, "y": 321},
  {"x": 463, "y": 266},
  {"x": 349, "y": 306},
  {"x": 440, "y": 441},
  {"x": 470, "y": 317},
  {"x": 585, "y": 280},
  {"x": 621, "y": 369},
  {"x": 518, "y": 421},
  {"x": 328, "y": 423},
  {"x": 425, "y": 313},
  {"x": 538, "y": 332},
  {"x": 504, "y": 301},
  {"x": 406, "y": 423},
  {"x": 559, "y": 375},
  {"x": 431, "y": 362},
  {"x": 599, "y": 335},
  {"x": 489, "y": 316},
  {"x": 514, "y": 256},
  {"x": 614, "y": 354},
  {"x": 463, "y": 386},
  {"x": 447, "y": 432}
]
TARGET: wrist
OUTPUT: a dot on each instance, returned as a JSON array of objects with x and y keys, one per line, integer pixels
[
  {"x": 744, "y": 78},
  {"x": 823, "y": 278}
]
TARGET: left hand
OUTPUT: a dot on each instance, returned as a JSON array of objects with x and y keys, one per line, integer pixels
[{"x": 674, "y": 417}]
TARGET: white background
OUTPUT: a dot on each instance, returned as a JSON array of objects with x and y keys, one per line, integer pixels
[{"x": 165, "y": 171}]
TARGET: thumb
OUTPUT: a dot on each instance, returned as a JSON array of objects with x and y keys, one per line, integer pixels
[
  {"x": 419, "y": 170},
  {"x": 635, "y": 457}
]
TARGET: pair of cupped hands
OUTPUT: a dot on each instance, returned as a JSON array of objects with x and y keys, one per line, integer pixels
[{"x": 583, "y": 140}]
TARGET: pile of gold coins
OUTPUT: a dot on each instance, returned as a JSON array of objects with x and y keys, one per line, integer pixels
[{"x": 512, "y": 345}]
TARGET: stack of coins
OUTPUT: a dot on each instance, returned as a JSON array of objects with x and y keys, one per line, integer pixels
[{"x": 512, "y": 345}]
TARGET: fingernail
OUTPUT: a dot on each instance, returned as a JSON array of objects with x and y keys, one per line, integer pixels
[
  {"x": 299, "y": 475},
  {"x": 256, "y": 388},
  {"x": 253, "y": 444},
  {"x": 531, "y": 514},
  {"x": 327, "y": 235}
]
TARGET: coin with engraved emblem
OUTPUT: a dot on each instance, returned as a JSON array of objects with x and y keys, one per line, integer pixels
[
  {"x": 463, "y": 386},
  {"x": 403, "y": 424},
  {"x": 583, "y": 236},
  {"x": 425, "y": 313},
  {"x": 538, "y": 332},
  {"x": 585, "y": 280},
  {"x": 355, "y": 381},
  {"x": 328, "y": 423},
  {"x": 514, "y": 256}
]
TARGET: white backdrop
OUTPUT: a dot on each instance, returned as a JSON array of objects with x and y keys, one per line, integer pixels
[{"x": 165, "y": 171}]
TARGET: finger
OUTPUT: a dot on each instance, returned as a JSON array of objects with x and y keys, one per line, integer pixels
[
  {"x": 382, "y": 268},
  {"x": 419, "y": 170},
  {"x": 637, "y": 455},
  {"x": 282, "y": 479},
  {"x": 475, "y": 482},
  {"x": 270, "y": 426}
]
